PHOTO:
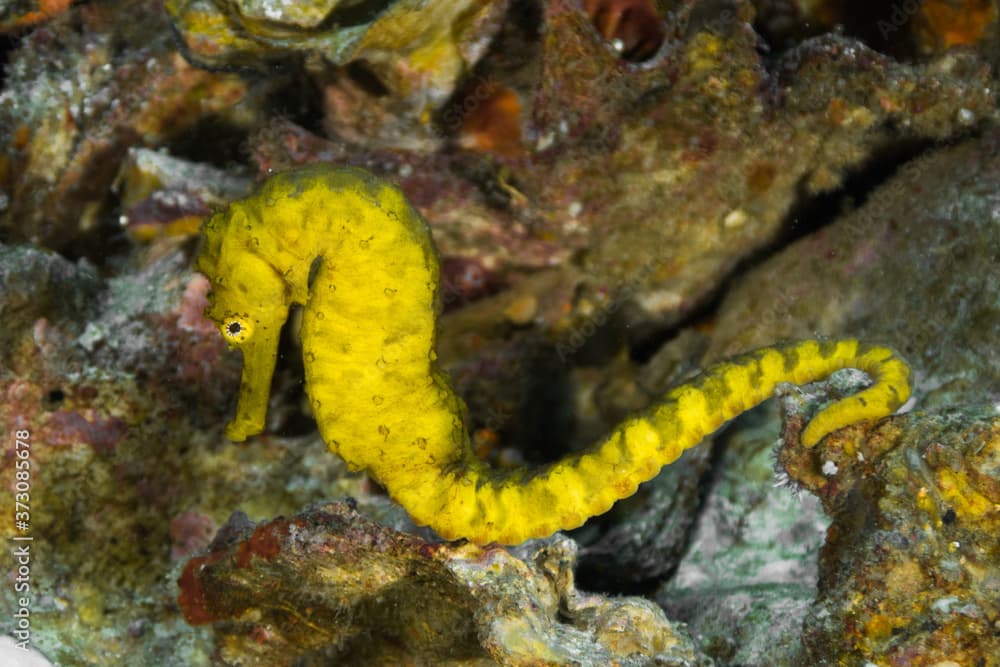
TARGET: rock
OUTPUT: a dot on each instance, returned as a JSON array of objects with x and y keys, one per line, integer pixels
[
  {"x": 328, "y": 584},
  {"x": 913, "y": 268}
]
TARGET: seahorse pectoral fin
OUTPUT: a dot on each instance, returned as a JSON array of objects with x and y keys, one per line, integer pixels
[{"x": 259, "y": 357}]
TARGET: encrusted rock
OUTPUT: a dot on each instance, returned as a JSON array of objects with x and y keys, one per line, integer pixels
[{"x": 329, "y": 584}]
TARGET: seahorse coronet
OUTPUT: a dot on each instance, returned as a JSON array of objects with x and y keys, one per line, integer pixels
[{"x": 359, "y": 258}]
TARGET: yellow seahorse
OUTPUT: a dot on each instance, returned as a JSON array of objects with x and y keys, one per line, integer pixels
[{"x": 359, "y": 257}]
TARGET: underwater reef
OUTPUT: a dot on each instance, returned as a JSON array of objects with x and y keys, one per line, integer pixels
[{"x": 618, "y": 194}]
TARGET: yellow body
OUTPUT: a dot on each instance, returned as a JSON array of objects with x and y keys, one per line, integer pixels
[{"x": 359, "y": 257}]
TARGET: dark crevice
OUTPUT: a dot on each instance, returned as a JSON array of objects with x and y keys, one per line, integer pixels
[
  {"x": 635, "y": 28},
  {"x": 809, "y": 215},
  {"x": 299, "y": 100},
  {"x": 286, "y": 416},
  {"x": 884, "y": 27},
  {"x": 353, "y": 14},
  {"x": 222, "y": 142},
  {"x": 53, "y": 400},
  {"x": 361, "y": 73},
  {"x": 212, "y": 140},
  {"x": 8, "y": 43},
  {"x": 510, "y": 62}
]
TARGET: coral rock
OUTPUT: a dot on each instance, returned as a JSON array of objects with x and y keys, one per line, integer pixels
[
  {"x": 414, "y": 50},
  {"x": 79, "y": 92},
  {"x": 908, "y": 574},
  {"x": 331, "y": 583}
]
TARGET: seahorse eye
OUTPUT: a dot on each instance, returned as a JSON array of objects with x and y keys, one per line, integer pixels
[{"x": 236, "y": 329}]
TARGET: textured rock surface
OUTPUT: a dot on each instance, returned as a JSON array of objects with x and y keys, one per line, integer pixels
[
  {"x": 914, "y": 267},
  {"x": 710, "y": 148},
  {"x": 384, "y": 67},
  {"x": 910, "y": 568},
  {"x": 80, "y": 91},
  {"x": 120, "y": 384},
  {"x": 162, "y": 195},
  {"x": 17, "y": 15},
  {"x": 329, "y": 585}
]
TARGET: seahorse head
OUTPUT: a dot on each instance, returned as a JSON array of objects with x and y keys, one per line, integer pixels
[
  {"x": 246, "y": 285},
  {"x": 249, "y": 303}
]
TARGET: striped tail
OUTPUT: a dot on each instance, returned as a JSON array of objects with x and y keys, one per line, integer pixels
[{"x": 511, "y": 506}]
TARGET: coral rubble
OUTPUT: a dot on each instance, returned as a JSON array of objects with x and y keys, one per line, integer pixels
[{"x": 329, "y": 584}]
